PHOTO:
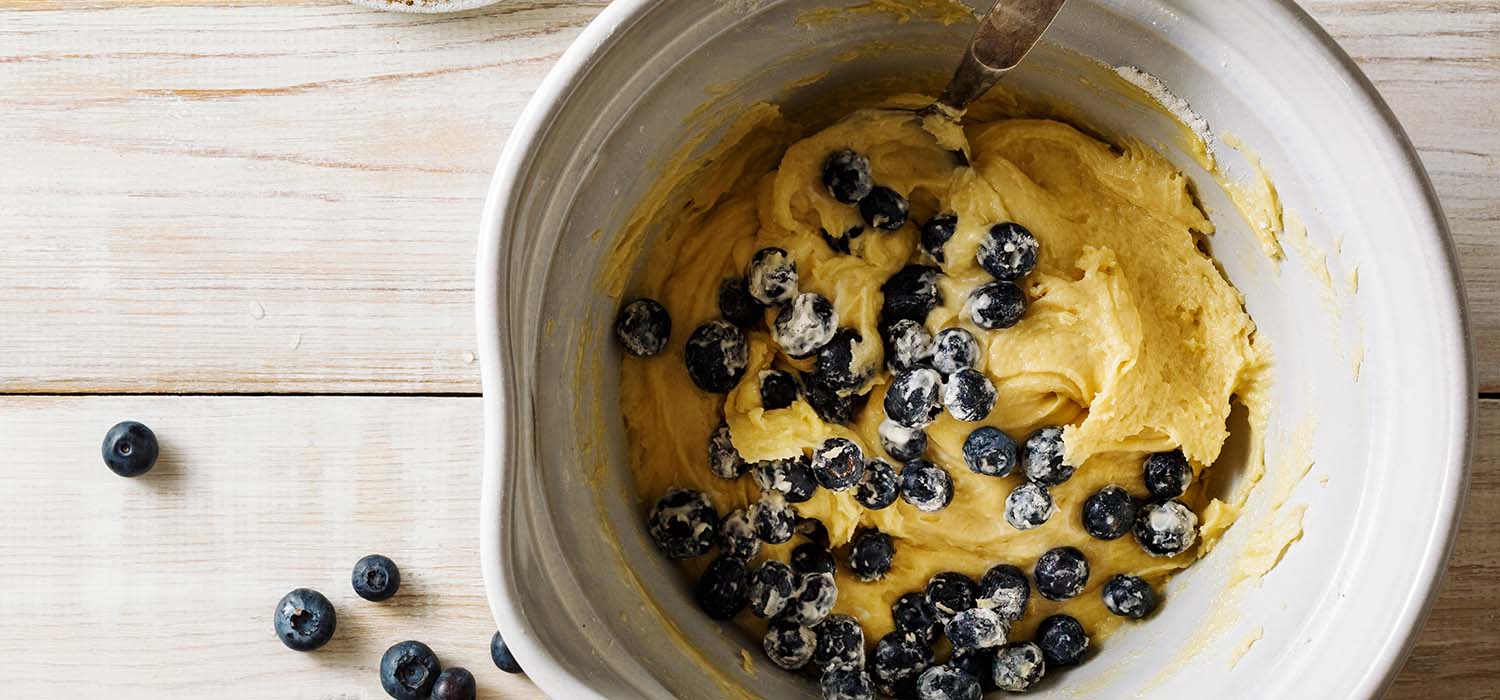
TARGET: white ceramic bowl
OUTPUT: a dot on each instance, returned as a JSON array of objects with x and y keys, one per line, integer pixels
[{"x": 1333, "y": 620}]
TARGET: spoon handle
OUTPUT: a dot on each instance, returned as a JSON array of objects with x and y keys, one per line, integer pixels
[{"x": 1005, "y": 35}]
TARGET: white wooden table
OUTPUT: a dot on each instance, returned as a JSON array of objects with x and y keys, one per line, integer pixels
[{"x": 253, "y": 229}]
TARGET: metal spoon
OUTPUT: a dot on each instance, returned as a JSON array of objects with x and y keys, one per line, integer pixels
[{"x": 1006, "y": 34}]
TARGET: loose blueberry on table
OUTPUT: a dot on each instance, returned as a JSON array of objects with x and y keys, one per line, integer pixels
[
  {"x": 408, "y": 670},
  {"x": 130, "y": 449},
  {"x": 500, "y": 654},
  {"x": 304, "y": 619},
  {"x": 375, "y": 577},
  {"x": 455, "y": 684}
]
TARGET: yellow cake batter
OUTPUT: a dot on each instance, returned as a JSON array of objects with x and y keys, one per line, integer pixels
[{"x": 1133, "y": 338}]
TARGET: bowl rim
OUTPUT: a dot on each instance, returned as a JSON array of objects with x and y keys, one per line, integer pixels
[{"x": 551, "y": 97}]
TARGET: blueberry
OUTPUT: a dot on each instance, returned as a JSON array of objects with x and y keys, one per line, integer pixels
[
  {"x": 304, "y": 619},
  {"x": 897, "y": 659},
  {"x": 789, "y": 645},
  {"x": 979, "y": 663},
  {"x": 840, "y": 243},
  {"x": 870, "y": 555},
  {"x": 838, "y": 464},
  {"x": 1044, "y": 457},
  {"x": 903, "y": 444},
  {"x": 989, "y": 451},
  {"x": 812, "y": 599},
  {"x": 947, "y": 683},
  {"x": 969, "y": 395},
  {"x": 846, "y": 683},
  {"x": 804, "y": 325},
  {"x": 812, "y": 558},
  {"x": 826, "y": 401},
  {"x": 1062, "y": 640},
  {"x": 912, "y": 398},
  {"x": 778, "y": 389},
  {"x": 910, "y": 294},
  {"x": 813, "y": 530},
  {"x": 954, "y": 349},
  {"x": 129, "y": 449},
  {"x": 950, "y": 593},
  {"x": 408, "y": 670},
  {"x": 1008, "y": 251},
  {"x": 773, "y": 518},
  {"x": 915, "y": 617},
  {"x": 1018, "y": 666},
  {"x": 770, "y": 588},
  {"x": 846, "y": 174},
  {"x": 723, "y": 460},
  {"x": 926, "y": 486},
  {"x": 643, "y": 327},
  {"x": 879, "y": 487},
  {"x": 841, "y": 362},
  {"x": 716, "y": 356},
  {"x": 1166, "y": 529},
  {"x": 976, "y": 628},
  {"x": 1005, "y": 590},
  {"x": 1109, "y": 513},
  {"x": 500, "y": 654},
  {"x": 1129, "y": 596},
  {"x": 737, "y": 538},
  {"x": 884, "y": 208},
  {"x": 996, "y": 305},
  {"x": 1028, "y": 506},
  {"x": 375, "y": 577},
  {"x": 455, "y": 684},
  {"x": 908, "y": 345},
  {"x": 684, "y": 524},
  {"x": 1061, "y": 573},
  {"x": 723, "y": 589},
  {"x": 771, "y": 277},
  {"x": 1167, "y": 474},
  {"x": 736, "y": 305},
  {"x": 792, "y": 478},
  {"x": 936, "y": 232},
  {"x": 841, "y": 642}
]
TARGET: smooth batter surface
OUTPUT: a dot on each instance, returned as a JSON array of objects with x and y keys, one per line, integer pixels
[{"x": 1133, "y": 338}]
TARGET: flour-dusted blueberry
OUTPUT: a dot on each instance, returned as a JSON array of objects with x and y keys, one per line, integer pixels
[
  {"x": 778, "y": 389},
  {"x": 936, "y": 232},
  {"x": 1167, "y": 474},
  {"x": 1005, "y": 590},
  {"x": 846, "y": 174},
  {"x": 770, "y": 587},
  {"x": 1044, "y": 457},
  {"x": 989, "y": 451},
  {"x": 684, "y": 524},
  {"x": 913, "y": 615},
  {"x": 830, "y": 405},
  {"x": 950, "y": 593},
  {"x": 789, "y": 645},
  {"x": 716, "y": 355},
  {"x": 813, "y": 530},
  {"x": 771, "y": 277},
  {"x": 870, "y": 555},
  {"x": 969, "y": 395},
  {"x": 1061, "y": 573},
  {"x": 903, "y": 444},
  {"x": 843, "y": 363},
  {"x": 896, "y": 662},
  {"x": 910, "y": 294},
  {"x": 773, "y": 518},
  {"x": 908, "y": 345},
  {"x": 954, "y": 349},
  {"x": 996, "y": 305},
  {"x": 1062, "y": 640},
  {"x": 841, "y": 642},
  {"x": 501, "y": 656},
  {"x": 455, "y": 684},
  {"x": 724, "y": 588},
  {"x": 1018, "y": 666},
  {"x": 737, "y": 306},
  {"x": 737, "y": 538},
  {"x": 912, "y": 398},
  {"x": 840, "y": 243},
  {"x": 926, "y": 486},
  {"x": 812, "y": 558},
  {"x": 812, "y": 599},
  {"x": 948, "y": 682},
  {"x": 805, "y": 324},
  {"x": 129, "y": 449},
  {"x": 643, "y": 327},
  {"x": 976, "y": 628},
  {"x": 884, "y": 208},
  {"x": 792, "y": 478},
  {"x": 1109, "y": 513},
  {"x": 1028, "y": 506},
  {"x": 304, "y": 619},
  {"x": 723, "y": 460},
  {"x": 375, "y": 577},
  {"x": 838, "y": 464},
  {"x": 879, "y": 487},
  {"x": 1129, "y": 596},
  {"x": 1166, "y": 529},
  {"x": 978, "y": 663},
  {"x": 846, "y": 683},
  {"x": 408, "y": 670},
  {"x": 1008, "y": 251}
]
